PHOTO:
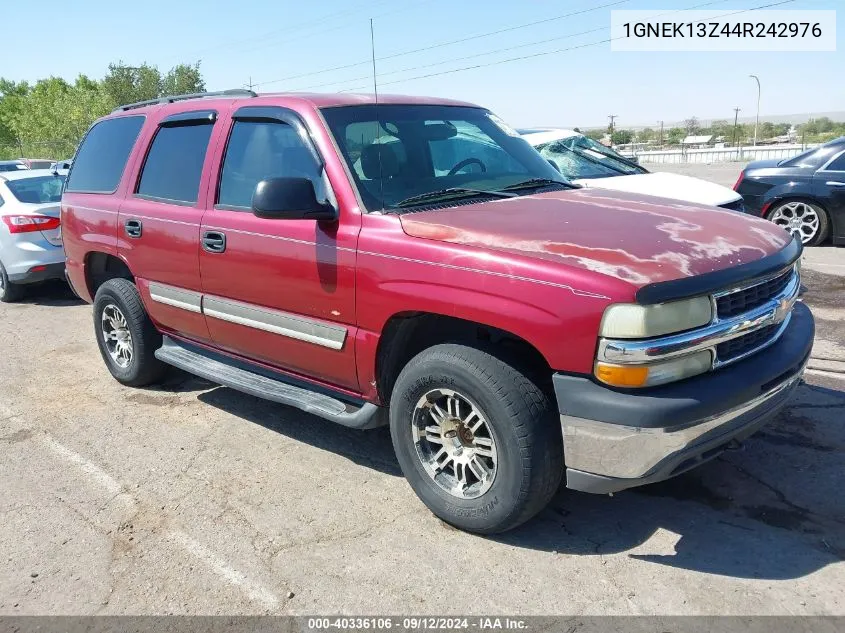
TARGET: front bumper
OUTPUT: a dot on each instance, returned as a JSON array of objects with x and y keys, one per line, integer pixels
[{"x": 616, "y": 439}]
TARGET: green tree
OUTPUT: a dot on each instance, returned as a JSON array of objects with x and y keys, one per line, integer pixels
[
  {"x": 646, "y": 135},
  {"x": 675, "y": 135},
  {"x": 183, "y": 79},
  {"x": 596, "y": 135},
  {"x": 130, "y": 84},
  {"x": 622, "y": 137}
]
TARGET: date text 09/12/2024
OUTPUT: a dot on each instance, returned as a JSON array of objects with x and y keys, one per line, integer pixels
[{"x": 417, "y": 623}]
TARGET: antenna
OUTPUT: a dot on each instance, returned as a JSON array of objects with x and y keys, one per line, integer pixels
[
  {"x": 378, "y": 120},
  {"x": 373, "y": 50}
]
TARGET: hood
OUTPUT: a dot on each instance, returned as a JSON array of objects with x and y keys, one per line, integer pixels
[
  {"x": 638, "y": 239},
  {"x": 666, "y": 185}
]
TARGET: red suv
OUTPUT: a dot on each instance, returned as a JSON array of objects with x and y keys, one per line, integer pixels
[{"x": 414, "y": 262}]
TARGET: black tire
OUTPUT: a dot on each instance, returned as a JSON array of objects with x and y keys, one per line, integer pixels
[
  {"x": 9, "y": 292},
  {"x": 521, "y": 420},
  {"x": 824, "y": 220},
  {"x": 143, "y": 368}
]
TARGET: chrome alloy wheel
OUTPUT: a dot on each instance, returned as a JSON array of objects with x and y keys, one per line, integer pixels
[
  {"x": 454, "y": 443},
  {"x": 117, "y": 336},
  {"x": 799, "y": 218}
]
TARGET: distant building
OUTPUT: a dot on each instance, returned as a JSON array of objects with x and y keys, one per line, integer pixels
[{"x": 699, "y": 142}]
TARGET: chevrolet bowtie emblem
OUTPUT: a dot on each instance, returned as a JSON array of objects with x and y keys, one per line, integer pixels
[{"x": 782, "y": 309}]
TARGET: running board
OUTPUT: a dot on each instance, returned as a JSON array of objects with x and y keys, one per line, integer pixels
[{"x": 238, "y": 375}]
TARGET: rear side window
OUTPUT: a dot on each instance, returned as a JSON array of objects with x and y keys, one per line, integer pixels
[
  {"x": 258, "y": 150},
  {"x": 173, "y": 167},
  {"x": 100, "y": 161}
]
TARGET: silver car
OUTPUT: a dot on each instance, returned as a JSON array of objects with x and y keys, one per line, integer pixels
[{"x": 30, "y": 232}]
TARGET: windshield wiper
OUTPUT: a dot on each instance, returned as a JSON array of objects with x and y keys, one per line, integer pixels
[
  {"x": 452, "y": 193},
  {"x": 539, "y": 182}
]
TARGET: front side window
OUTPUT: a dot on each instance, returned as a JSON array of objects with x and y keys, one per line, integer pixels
[
  {"x": 102, "y": 157},
  {"x": 258, "y": 150},
  {"x": 38, "y": 190},
  {"x": 174, "y": 163},
  {"x": 397, "y": 153}
]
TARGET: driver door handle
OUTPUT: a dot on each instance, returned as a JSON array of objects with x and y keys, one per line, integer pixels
[
  {"x": 214, "y": 242},
  {"x": 835, "y": 183},
  {"x": 133, "y": 228}
]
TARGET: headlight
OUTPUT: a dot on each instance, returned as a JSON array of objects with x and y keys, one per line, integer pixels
[
  {"x": 629, "y": 320},
  {"x": 655, "y": 373}
]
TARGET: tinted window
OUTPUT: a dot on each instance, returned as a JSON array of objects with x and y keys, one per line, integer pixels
[
  {"x": 38, "y": 190},
  {"x": 260, "y": 150},
  {"x": 838, "y": 164},
  {"x": 100, "y": 161},
  {"x": 174, "y": 164},
  {"x": 812, "y": 158}
]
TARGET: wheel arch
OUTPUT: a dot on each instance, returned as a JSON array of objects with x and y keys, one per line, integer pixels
[
  {"x": 406, "y": 334},
  {"x": 101, "y": 266}
]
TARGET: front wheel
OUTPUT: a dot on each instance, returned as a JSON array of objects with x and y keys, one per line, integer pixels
[
  {"x": 126, "y": 336},
  {"x": 807, "y": 220},
  {"x": 476, "y": 439}
]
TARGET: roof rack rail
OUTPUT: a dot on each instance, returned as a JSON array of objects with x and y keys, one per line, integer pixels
[{"x": 234, "y": 92}]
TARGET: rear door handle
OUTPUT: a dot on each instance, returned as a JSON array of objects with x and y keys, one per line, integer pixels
[
  {"x": 133, "y": 228},
  {"x": 214, "y": 241},
  {"x": 835, "y": 183}
]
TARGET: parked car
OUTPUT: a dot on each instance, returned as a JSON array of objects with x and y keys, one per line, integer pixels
[
  {"x": 805, "y": 194},
  {"x": 30, "y": 236},
  {"x": 586, "y": 162},
  {"x": 370, "y": 263},
  {"x": 61, "y": 164},
  {"x": 12, "y": 165}
]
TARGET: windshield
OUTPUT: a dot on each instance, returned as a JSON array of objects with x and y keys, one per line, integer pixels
[
  {"x": 38, "y": 190},
  {"x": 399, "y": 152},
  {"x": 581, "y": 157}
]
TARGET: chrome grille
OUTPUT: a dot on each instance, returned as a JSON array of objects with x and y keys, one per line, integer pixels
[
  {"x": 730, "y": 350},
  {"x": 745, "y": 299}
]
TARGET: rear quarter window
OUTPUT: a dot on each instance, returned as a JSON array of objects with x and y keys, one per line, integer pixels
[{"x": 101, "y": 159}]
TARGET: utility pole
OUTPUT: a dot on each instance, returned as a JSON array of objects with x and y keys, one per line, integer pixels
[
  {"x": 757, "y": 120},
  {"x": 250, "y": 84},
  {"x": 612, "y": 117},
  {"x": 661, "y": 134},
  {"x": 736, "y": 119}
]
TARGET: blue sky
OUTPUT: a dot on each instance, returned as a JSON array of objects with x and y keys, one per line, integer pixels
[{"x": 274, "y": 39}]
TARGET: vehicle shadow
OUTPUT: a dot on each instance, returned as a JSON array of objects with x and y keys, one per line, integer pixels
[
  {"x": 371, "y": 448},
  {"x": 50, "y": 293},
  {"x": 772, "y": 510}
]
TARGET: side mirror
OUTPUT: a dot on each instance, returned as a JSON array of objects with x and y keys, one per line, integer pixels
[{"x": 290, "y": 199}]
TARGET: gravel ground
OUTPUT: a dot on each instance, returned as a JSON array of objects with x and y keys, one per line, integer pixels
[{"x": 192, "y": 498}]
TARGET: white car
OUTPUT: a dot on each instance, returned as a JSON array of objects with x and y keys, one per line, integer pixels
[
  {"x": 30, "y": 232},
  {"x": 591, "y": 164}
]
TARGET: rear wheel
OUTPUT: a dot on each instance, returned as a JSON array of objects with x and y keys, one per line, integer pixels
[
  {"x": 125, "y": 335},
  {"x": 807, "y": 220},
  {"x": 9, "y": 292},
  {"x": 477, "y": 440}
]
